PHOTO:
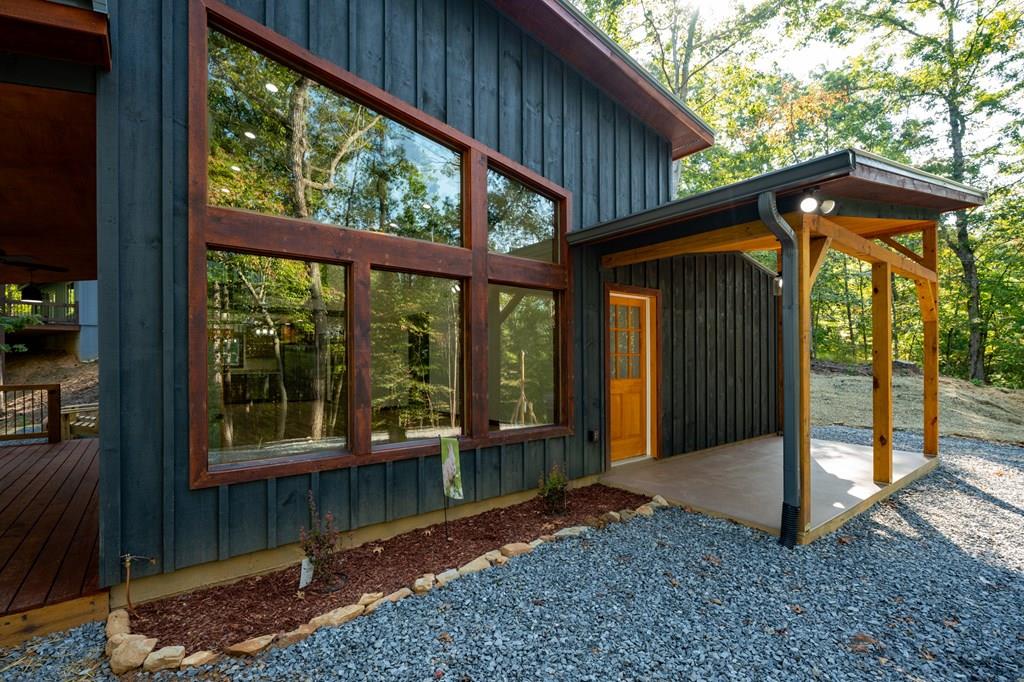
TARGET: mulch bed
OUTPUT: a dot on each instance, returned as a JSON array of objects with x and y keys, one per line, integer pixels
[{"x": 217, "y": 617}]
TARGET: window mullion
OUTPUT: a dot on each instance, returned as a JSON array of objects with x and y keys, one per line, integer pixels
[
  {"x": 475, "y": 226},
  {"x": 360, "y": 395}
]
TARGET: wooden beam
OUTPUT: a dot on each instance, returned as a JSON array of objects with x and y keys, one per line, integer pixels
[
  {"x": 881, "y": 362},
  {"x": 906, "y": 251},
  {"x": 930, "y": 315},
  {"x": 854, "y": 245},
  {"x": 724, "y": 239},
  {"x": 803, "y": 282},
  {"x": 818, "y": 250}
]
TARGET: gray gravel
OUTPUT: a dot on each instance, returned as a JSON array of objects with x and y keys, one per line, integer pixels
[{"x": 928, "y": 585}]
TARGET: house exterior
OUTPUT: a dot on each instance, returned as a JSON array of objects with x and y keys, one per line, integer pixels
[{"x": 329, "y": 232}]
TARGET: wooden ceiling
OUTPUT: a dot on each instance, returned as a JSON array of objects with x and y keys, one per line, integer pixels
[{"x": 47, "y": 183}]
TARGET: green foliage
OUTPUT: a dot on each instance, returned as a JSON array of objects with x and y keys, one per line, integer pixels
[
  {"x": 935, "y": 83},
  {"x": 552, "y": 489},
  {"x": 320, "y": 542}
]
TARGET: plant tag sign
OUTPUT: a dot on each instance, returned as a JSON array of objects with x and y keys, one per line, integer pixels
[
  {"x": 451, "y": 469},
  {"x": 305, "y": 573}
]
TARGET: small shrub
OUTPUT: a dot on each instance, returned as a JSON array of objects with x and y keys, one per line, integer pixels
[
  {"x": 320, "y": 542},
  {"x": 553, "y": 489}
]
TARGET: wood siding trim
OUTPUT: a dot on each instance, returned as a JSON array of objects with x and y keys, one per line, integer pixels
[{"x": 238, "y": 230}]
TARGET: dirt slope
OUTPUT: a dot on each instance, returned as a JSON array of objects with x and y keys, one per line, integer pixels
[
  {"x": 964, "y": 409},
  {"x": 79, "y": 381}
]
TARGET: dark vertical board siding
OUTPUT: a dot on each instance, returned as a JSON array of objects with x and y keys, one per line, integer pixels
[
  {"x": 400, "y": 32},
  {"x": 431, "y": 93},
  {"x": 552, "y": 118},
  {"x": 328, "y": 31},
  {"x": 458, "y": 60},
  {"x": 533, "y": 105},
  {"x": 587, "y": 198},
  {"x": 710, "y": 338},
  {"x": 485, "y": 80},
  {"x": 459, "y": 76},
  {"x": 510, "y": 90}
]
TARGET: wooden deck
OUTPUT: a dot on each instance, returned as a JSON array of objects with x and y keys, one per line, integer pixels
[
  {"x": 49, "y": 524},
  {"x": 743, "y": 482}
]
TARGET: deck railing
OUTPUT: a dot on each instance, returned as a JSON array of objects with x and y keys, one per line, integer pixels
[
  {"x": 30, "y": 411},
  {"x": 49, "y": 313}
]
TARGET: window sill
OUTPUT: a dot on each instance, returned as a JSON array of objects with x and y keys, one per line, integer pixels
[{"x": 305, "y": 464}]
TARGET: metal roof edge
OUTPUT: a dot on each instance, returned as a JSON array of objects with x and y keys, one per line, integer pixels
[
  {"x": 866, "y": 158},
  {"x": 791, "y": 177}
]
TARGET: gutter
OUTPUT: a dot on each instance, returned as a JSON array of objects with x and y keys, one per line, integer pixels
[{"x": 768, "y": 210}]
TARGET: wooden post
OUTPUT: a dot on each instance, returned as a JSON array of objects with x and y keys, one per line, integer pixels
[
  {"x": 803, "y": 240},
  {"x": 931, "y": 346},
  {"x": 53, "y": 413},
  {"x": 881, "y": 359}
]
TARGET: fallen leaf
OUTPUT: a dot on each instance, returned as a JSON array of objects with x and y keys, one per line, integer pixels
[
  {"x": 951, "y": 622},
  {"x": 445, "y": 637},
  {"x": 927, "y": 655},
  {"x": 712, "y": 559},
  {"x": 715, "y": 600},
  {"x": 844, "y": 539},
  {"x": 378, "y": 550},
  {"x": 796, "y": 608}
]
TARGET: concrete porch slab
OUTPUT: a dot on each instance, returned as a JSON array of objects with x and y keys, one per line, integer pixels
[{"x": 743, "y": 481}]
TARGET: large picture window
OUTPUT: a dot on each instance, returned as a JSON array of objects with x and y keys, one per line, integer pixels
[
  {"x": 277, "y": 380},
  {"x": 283, "y": 144},
  {"x": 416, "y": 357},
  {"x": 362, "y": 277}
]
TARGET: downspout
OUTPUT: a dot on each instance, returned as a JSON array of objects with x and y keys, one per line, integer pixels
[{"x": 768, "y": 210}]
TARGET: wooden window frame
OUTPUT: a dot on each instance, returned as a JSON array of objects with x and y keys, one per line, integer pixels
[{"x": 221, "y": 228}]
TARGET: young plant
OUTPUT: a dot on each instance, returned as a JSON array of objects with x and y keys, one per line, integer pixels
[
  {"x": 320, "y": 543},
  {"x": 553, "y": 490}
]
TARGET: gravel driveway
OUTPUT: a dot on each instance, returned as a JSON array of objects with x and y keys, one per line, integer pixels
[{"x": 929, "y": 585}]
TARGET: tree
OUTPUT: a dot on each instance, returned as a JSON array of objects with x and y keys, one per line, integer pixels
[{"x": 960, "y": 61}]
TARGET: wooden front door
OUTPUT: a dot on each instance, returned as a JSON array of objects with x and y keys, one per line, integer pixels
[{"x": 630, "y": 348}]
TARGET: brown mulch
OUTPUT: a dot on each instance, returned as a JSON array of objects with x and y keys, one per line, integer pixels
[{"x": 217, "y": 617}]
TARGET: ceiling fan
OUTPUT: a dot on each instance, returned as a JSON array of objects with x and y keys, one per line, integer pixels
[{"x": 27, "y": 262}]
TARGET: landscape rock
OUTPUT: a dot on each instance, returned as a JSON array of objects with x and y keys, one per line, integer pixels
[
  {"x": 501, "y": 560},
  {"x": 338, "y": 616},
  {"x": 534, "y": 544},
  {"x": 645, "y": 510},
  {"x": 658, "y": 501},
  {"x": 475, "y": 566},
  {"x": 423, "y": 584},
  {"x": 392, "y": 598},
  {"x": 493, "y": 555},
  {"x": 546, "y": 538},
  {"x": 130, "y": 654},
  {"x": 369, "y": 597},
  {"x": 446, "y": 577},
  {"x": 611, "y": 517},
  {"x": 627, "y": 515},
  {"x": 199, "y": 658},
  {"x": 250, "y": 647},
  {"x": 595, "y": 522},
  {"x": 114, "y": 641},
  {"x": 166, "y": 658},
  {"x": 572, "y": 532},
  {"x": 297, "y": 635},
  {"x": 118, "y": 623},
  {"x": 514, "y": 549}
]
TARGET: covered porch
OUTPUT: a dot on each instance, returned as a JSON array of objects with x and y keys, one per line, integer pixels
[
  {"x": 864, "y": 206},
  {"x": 741, "y": 481}
]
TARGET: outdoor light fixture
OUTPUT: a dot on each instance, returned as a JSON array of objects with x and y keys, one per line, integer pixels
[
  {"x": 31, "y": 294},
  {"x": 828, "y": 206},
  {"x": 251, "y": 136},
  {"x": 808, "y": 204}
]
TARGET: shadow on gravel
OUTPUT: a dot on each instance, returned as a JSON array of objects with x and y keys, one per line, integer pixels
[{"x": 975, "y": 491}]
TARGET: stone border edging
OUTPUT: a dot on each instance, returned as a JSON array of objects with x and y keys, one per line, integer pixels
[{"x": 129, "y": 651}]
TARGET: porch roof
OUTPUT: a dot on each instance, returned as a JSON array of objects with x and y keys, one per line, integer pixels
[{"x": 875, "y": 196}]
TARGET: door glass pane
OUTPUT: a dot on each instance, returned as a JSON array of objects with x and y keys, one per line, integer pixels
[
  {"x": 634, "y": 317},
  {"x": 282, "y": 144},
  {"x": 623, "y": 362},
  {"x": 634, "y": 366},
  {"x": 415, "y": 357},
  {"x": 634, "y": 342},
  {"x": 621, "y": 343},
  {"x": 277, "y": 384}
]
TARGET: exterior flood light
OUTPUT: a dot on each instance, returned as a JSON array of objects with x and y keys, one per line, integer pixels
[
  {"x": 828, "y": 206},
  {"x": 808, "y": 204}
]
